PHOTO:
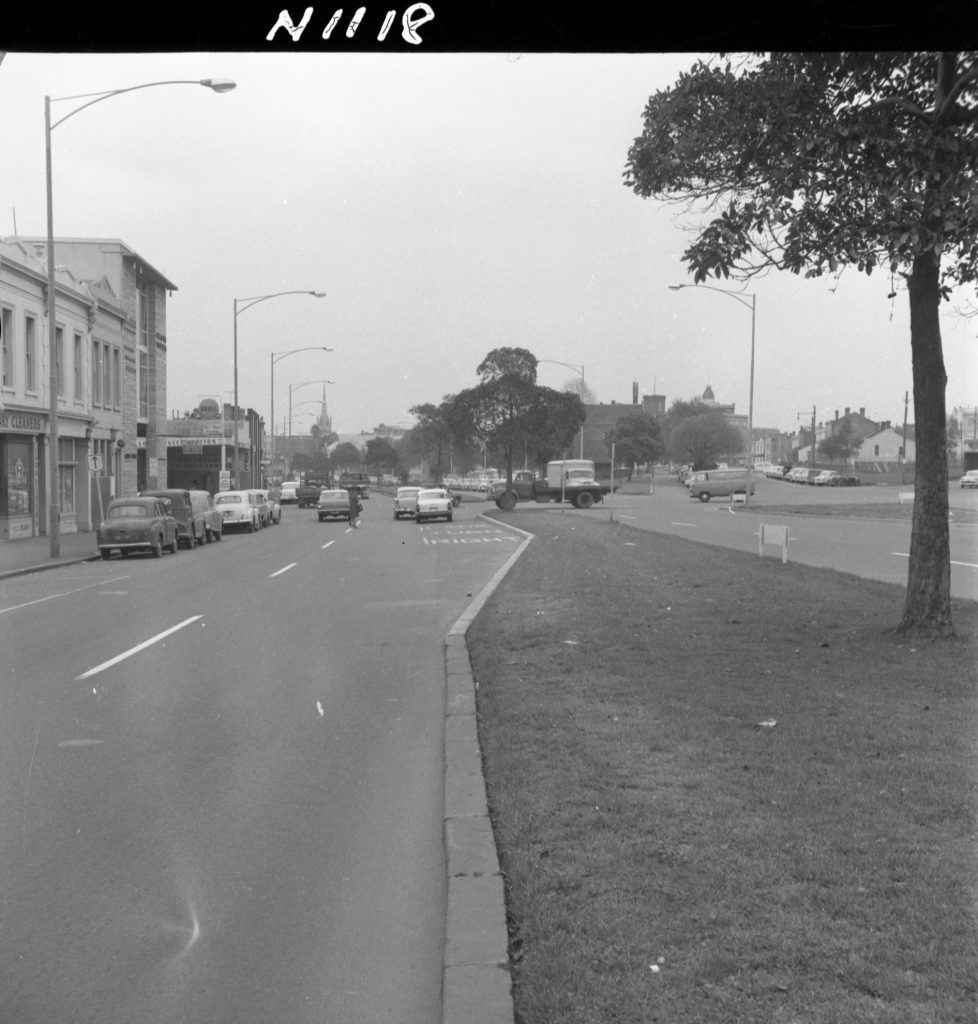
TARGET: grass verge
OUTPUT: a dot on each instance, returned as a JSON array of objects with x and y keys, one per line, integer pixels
[{"x": 723, "y": 790}]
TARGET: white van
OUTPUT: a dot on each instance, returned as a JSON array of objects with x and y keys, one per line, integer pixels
[{"x": 708, "y": 483}]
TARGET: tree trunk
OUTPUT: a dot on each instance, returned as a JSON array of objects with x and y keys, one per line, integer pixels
[{"x": 927, "y": 608}]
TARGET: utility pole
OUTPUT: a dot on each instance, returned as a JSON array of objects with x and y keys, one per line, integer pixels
[{"x": 903, "y": 447}]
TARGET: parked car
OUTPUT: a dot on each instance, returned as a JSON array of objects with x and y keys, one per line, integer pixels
[
  {"x": 970, "y": 479},
  {"x": 137, "y": 524},
  {"x": 271, "y": 498},
  {"x": 797, "y": 475},
  {"x": 827, "y": 478},
  {"x": 333, "y": 504},
  {"x": 239, "y": 510},
  {"x": 203, "y": 506},
  {"x": 191, "y": 522},
  {"x": 406, "y": 501},
  {"x": 433, "y": 503},
  {"x": 287, "y": 494}
]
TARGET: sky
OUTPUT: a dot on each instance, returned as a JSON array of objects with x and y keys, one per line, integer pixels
[{"x": 448, "y": 204}]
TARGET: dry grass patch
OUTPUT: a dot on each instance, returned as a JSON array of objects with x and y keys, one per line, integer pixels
[{"x": 722, "y": 790}]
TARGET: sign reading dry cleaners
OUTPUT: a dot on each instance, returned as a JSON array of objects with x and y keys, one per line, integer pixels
[{"x": 24, "y": 422}]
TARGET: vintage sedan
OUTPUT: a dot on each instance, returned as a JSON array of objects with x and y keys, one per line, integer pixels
[
  {"x": 970, "y": 479},
  {"x": 137, "y": 524},
  {"x": 433, "y": 503},
  {"x": 827, "y": 478},
  {"x": 239, "y": 510},
  {"x": 405, "y": 501},
  {"x": 333, "y": 504}
]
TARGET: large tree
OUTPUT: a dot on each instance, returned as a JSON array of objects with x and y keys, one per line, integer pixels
[
  {"x": 702, "y": 439},
  {"x": 637, "y": 437},
  {"x": 814, "y": 162},
  {"x": 512, "y": 414}
]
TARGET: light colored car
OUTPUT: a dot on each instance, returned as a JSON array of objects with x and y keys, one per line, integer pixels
[
  {"x": 333, "y": 504},
  {"x": 137, "y": 524},
  {"x": 970, "y": 479},
  {"x": 828, "y": 478},
  {"x": 433, "y": 503},
  {"x": 270, "y": 499},
  {"x": 239, "y": 510},
  {"x": 406, "y": 501},
  {"x": 287, "y": 495}
]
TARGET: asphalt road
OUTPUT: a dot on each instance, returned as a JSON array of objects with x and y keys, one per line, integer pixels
[
  {"x": 221, "y": 776},
  {"x": 876, "y": 548}
]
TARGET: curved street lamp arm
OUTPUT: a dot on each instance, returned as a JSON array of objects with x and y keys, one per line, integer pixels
[
  {"x": 723, "y": 291},
  {"x": 276, "y": 356},
  {"x": 255, "y": 299},
  {"x": 217, "y": 84},
  {"x": 570, "y": 366}
]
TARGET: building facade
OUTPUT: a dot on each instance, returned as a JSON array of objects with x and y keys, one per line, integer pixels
[{"x": 110, "y": 362}]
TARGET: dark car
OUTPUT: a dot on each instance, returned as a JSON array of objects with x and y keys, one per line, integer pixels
[
  {"x": 181, "y": 507},
  {"x": 204, "y": 507},
  {"x": 137, "y": 524}
]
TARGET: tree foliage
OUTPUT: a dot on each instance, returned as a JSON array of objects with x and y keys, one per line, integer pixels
[
  {"x": 513, "y": 415},
  {"x": 346, "y": 456},
  {"x": 702, "y": 439},
  {"x": 637, "y": 437},
  {"x": 817, "y": 162},
  {"x": 381, "y": 454},
  {"x": 840, "y": 446}
]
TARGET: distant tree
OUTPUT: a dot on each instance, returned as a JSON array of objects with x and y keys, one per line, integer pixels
[
  {"x": 637, "y": 437},
  {"x": 702, "y": 439},
  {"x": 840, "y": 446},
  {"x": 381, "y": 455},
  {"x": 346, "y": 456},
  {"x": 553, "y": 425},
  {"x": 500, "y": 405},
  {"x": 814, "y": 162},
  {"x": 577, "y": 386},
  {"x": 953, "y": 438}
]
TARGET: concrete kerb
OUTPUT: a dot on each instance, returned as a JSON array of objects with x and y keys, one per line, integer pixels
[
  {"x": 58, "y": 563},
  {"x": 476, "y": 986}
]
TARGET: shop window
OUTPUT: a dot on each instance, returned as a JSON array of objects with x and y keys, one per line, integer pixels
[
  {"x": 16, "y": 492},
  {"x": 66, "y": 473}
]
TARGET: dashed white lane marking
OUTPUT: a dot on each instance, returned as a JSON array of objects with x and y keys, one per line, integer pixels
[
  {"x": 286, "y": 568},
  {"x": 327, "y": 544},
  {"x": 139, "y": 647},
  {"x": 692, "y": 525}
]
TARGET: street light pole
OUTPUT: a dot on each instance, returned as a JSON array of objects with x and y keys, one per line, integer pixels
[
  {"x": 576, "y": 369},
  {"x": 248, "y": 303},
  {"x": 218, "y": 85},
  {"x": 276, "y": 356},
  {"x": 752, "y": 306}
]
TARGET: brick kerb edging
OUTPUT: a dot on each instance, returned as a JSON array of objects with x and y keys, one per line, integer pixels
[{"x": 476, "y": 984}]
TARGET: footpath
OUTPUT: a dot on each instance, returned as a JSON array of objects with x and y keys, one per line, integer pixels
[{"x": 33, "y": 554}]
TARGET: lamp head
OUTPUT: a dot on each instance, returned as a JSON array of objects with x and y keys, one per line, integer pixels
[
  {"x": 318, "y": 295},
  {"x": 218, "y": 84}
]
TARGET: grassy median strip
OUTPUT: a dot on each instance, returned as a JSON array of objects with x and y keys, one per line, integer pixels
[{"x": 723, "y": 790}]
